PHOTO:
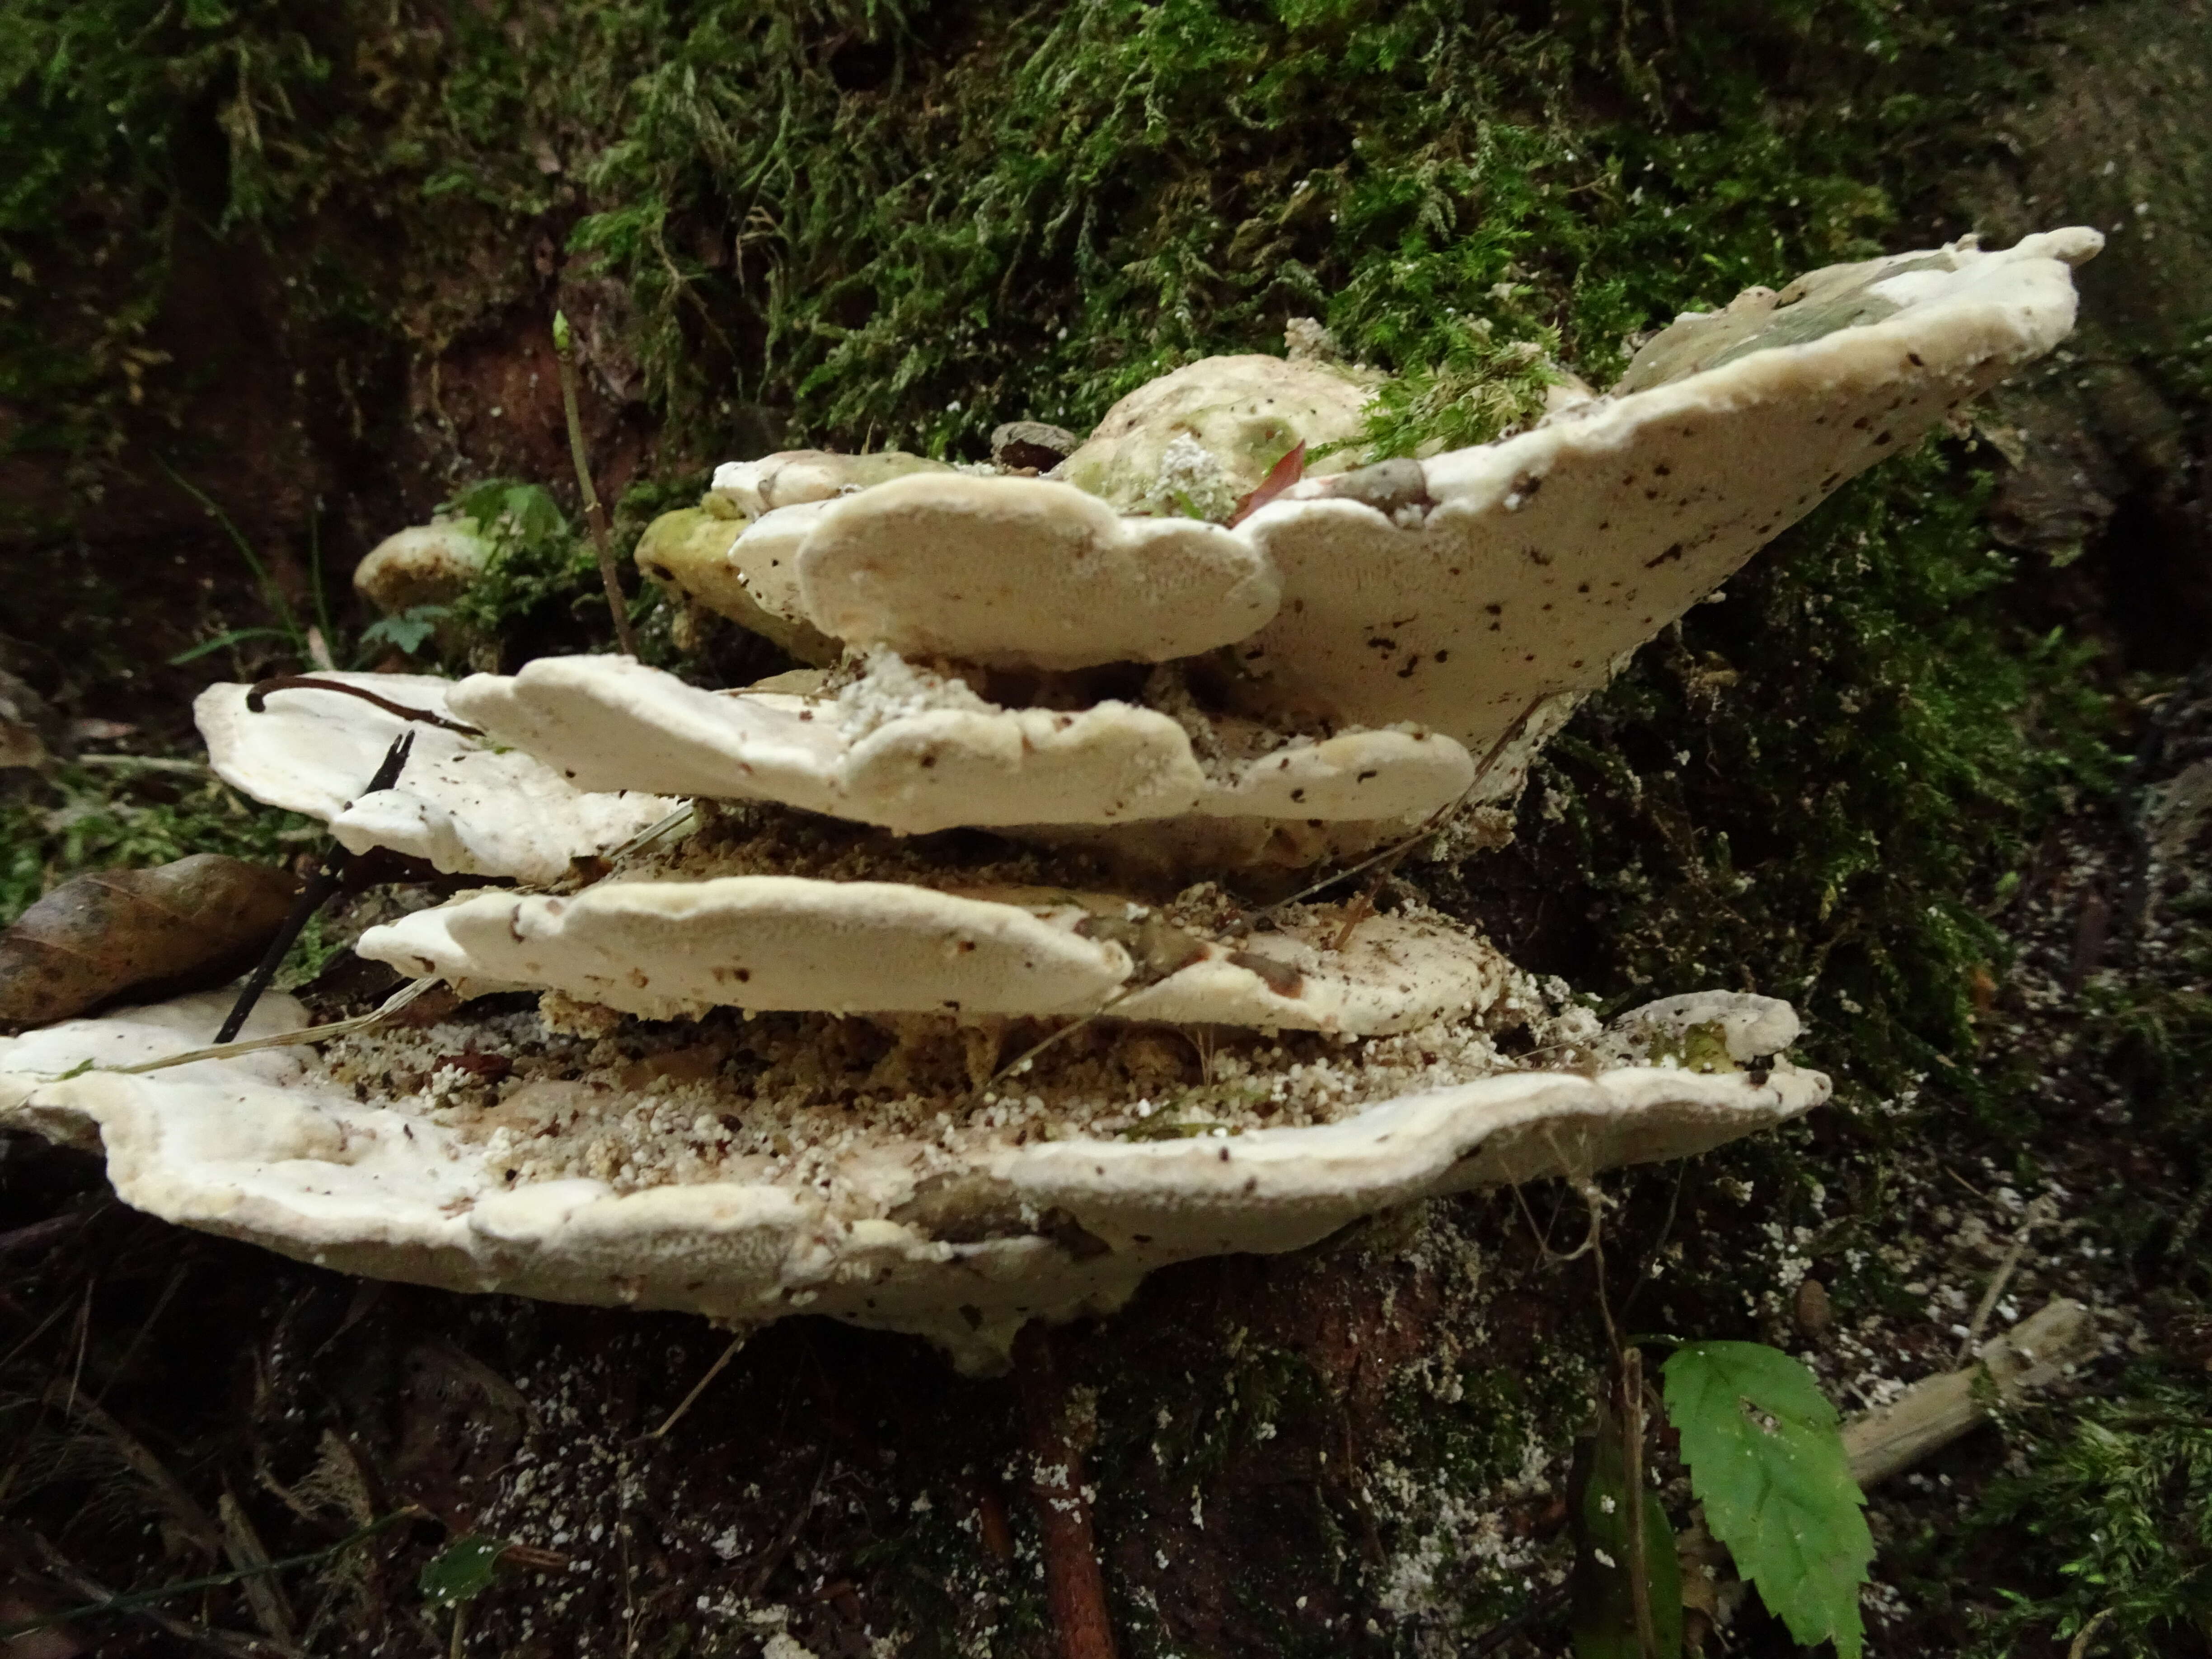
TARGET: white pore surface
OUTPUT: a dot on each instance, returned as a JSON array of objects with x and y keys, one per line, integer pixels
[
  {"x": 461, "y": 804},
  {"x": 263, "y": 1149},
  {"x": 1550, "y": 555},
  {"x": 916, "y": 753}
]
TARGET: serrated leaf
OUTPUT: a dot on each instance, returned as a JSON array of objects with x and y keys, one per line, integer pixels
[
  {"x": 1765, "y": 1452},
  {"x": 1604, "y": 1624},
  {"x": 407, "y": 630},
  {"x": 461, "y": 1570}
]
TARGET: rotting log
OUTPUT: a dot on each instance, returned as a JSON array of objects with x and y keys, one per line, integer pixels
[{"x": 1938, "y": 1410}]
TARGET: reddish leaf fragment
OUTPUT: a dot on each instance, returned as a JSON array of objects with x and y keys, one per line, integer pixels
[{"x": 1280, "y": 476}]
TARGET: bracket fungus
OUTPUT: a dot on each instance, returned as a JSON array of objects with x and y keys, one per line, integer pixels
[{"x": 972, "y": 985}]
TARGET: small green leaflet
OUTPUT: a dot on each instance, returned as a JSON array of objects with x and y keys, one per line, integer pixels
[
  {"x": 1604, "y": 1603},
  {"x": 461, "y": 1570},
  {"x": 407, "y": 630},
  {"x": 1766, "y": 1459}
]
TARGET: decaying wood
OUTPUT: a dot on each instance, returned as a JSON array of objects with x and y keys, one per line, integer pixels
[
  {"x": 1938, "y": 1410},
  {"x": 263, "y": 1595}
]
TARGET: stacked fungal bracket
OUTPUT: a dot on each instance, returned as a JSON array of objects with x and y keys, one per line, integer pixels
[{"x": 1035, "y": 933}]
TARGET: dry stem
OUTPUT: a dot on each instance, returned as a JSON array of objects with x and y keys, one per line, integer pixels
[
  {"x": 1058, "y": 1436},
  {"x": 564, "y": 349}
]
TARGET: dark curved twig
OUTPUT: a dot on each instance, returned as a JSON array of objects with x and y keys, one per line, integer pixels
[{"x": 257, "y": 698}]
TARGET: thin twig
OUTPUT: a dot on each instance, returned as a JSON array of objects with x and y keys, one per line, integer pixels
[
  {"x": 60, "y": 1566},
  {"x": 2041, "y": 1211},
  {"x": 1022, "y": 1058},
  {"x": 142, "y": 1600},
  {"x": 41, "y": 1232},
  {"x": 700, "y": 1387},
  {"x": 1435, "y": 823},
  {"x": 257, "y": 700},
  {"x": 182, "y": 769},
  {"x": 122, "y": 1366},
  {"x": 1538, "y": 1610},
  {"x": 1075, "y": 1589},
  {"x": 2081, "y": 1641},
  {"x": 1628, "y": 1371},
  {"x": 653, "y": 832},
  {"x": 784, "y": 1540},
  {"x": 44, "y": 1326},
  {"x": 564, "y": 349},
  {"x": 1631, "y": 1469},
  {"x": 313, "y": 896},
  {"x": 183, "y": 1507},
  {"x": 1651, "y": 1268},
  {"x": 392, "y": 1005}
]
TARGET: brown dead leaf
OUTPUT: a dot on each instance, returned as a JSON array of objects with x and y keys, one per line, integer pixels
[
  {"x": 1280, "y": 476},
  {"x": 195, "y": 922}
]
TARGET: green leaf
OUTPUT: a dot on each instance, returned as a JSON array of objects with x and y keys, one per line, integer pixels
[
  {"x": 461, "y": 1570},
  {"x": 1766, "y": 1459},
  {"x": 407, "y": 630},
  {"x": 1604, "y": 1626}
]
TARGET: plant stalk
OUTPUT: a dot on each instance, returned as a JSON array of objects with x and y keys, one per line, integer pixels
[
  {"x": 1057, "y": 1435},
  {"x": 1631, "y": 1469},
  {"x": 564, "y": 349}
]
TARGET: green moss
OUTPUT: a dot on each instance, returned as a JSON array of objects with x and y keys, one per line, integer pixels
[
  {"x": 1479, "y": 388},
  {"x": 2109, "y": 1520},
  {"x": 540, "y": 590},
  {"x": 78, "y": 819},
  {"x": 1815, "y": 788},
  {"x": 905, "y": 224}
]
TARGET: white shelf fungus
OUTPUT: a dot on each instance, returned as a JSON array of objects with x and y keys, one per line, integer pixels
[
  {"x": 916, "y": 752},
  {"x": 425, "y": 564},
  {"x": 1527, "y": 568},
  {"x": 464, "y": 805},
  {"x": 1028, "y": 572},
  {"x": 888, "y": 1227},
  {"x": 667, "y": 948},
  {"x": 956, "y": 1096}
]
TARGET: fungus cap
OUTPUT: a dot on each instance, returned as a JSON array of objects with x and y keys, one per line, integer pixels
[
  {"x": 426, "y": 564},
  {"x": 1026, "y": 572},
  {"x": 661, "y": 948},
  {"x": 270, "y": 1148},
  {"x": 694, "y": 551},
  {"x": 666, "y": 949},
  {"x": 792, "y": 477},
  {"x": 462, "y": 804},
  {"x": 1524, "y": 569},
  {"x": 915, "y": 751},
  {"x": 610, "y": 723}
]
